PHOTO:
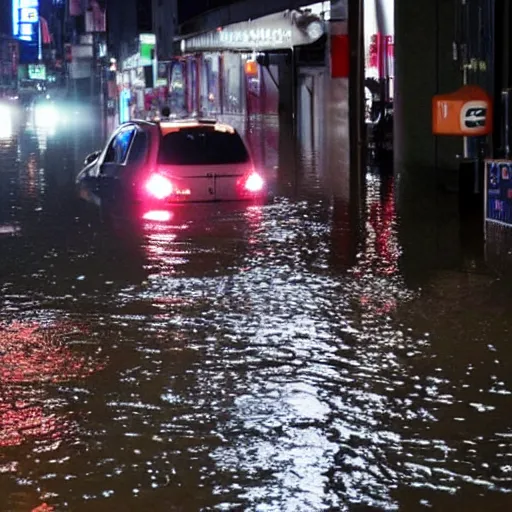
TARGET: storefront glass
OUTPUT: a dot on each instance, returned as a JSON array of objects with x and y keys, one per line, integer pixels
[
  {"x": 210, "y": 85},
  {"x": 234, "y": 94},
  {"x": 177, "y": 94}
]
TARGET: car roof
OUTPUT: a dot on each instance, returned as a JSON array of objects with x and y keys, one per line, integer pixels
[{"x": 175, "y": 125}]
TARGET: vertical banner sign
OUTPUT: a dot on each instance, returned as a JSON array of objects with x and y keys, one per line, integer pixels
[
  {"x": 498, "y": 191},
  {"x": 340, "y": 56},
  {"x": 25, "y": 20},
  {"x": 339, "y": 40}
]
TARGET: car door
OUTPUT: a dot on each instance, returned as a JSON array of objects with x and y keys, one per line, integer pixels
[{"x": 112, "y": 173}]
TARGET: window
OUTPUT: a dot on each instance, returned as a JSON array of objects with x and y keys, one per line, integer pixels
[
  {"x": 118, "y": 149},
  {"x": 202, "y": 146},
  {"x": 138, "y": 148}
]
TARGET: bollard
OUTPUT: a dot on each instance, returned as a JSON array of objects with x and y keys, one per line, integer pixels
[{"x": 506, "y": 118}]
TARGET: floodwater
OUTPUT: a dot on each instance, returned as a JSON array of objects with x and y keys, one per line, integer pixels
[{"x": 281, "y": 357}]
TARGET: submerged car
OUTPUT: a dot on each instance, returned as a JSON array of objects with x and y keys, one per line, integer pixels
[{"x": 162, "y": 163}]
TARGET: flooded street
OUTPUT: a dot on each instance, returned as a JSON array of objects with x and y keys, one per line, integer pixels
[{"x": 266, "y": 358}]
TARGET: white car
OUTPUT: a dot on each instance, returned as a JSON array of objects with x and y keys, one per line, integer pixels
[{"x": 158, "y": 164}]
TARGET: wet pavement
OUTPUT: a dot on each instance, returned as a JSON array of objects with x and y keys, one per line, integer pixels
[{"x": 267, "y": 358}]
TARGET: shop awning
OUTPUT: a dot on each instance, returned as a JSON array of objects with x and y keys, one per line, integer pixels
[{"x": 278, "y": 31}]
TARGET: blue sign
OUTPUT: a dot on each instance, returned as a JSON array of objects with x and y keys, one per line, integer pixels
[
  {"x": 25, "y": 20},
  {"x": 498, "y": 176}
]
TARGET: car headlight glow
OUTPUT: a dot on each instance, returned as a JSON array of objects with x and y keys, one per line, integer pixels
[
  {"x": 46, "y": 116},
  {"x": 5, "y": 122}
]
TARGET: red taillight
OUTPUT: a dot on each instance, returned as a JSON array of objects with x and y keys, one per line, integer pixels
[
  {"x": 253, "y": 183},
  {"x": 159, "y": 186}
]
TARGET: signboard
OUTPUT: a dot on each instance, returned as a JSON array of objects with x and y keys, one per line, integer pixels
[
  {"x": 95, "y": 18},
  {"x": 37, "y": 71},
  {"x": 25, "y": 18},
  {"x": 276, "y": 31},
  {"x": 466, "y": 112},
  {"x": 498, "y": 191},
  {"x": 147, "y": 43}
]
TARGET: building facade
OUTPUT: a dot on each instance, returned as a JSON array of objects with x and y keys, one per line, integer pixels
[
  {"x": 165, "y": 21},
  {"x": 265, "y": 76}
]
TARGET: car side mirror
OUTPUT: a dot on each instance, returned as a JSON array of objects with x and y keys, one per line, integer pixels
[{"x": 89, "y": 159}]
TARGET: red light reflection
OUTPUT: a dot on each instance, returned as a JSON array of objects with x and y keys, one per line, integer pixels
[
  {"x": 382, "y": 252},
  {"x": 30, "y": 354},
  {"x": 158, "y": 216},
  {"x": 20, "y": 421},
  {"x": 43, "y": 508}
]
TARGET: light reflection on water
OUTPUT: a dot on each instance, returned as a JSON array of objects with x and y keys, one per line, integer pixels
[{"x": 233, "y": 364}]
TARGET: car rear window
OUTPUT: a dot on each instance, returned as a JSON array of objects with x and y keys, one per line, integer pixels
[{"x": 202, "y": 146}]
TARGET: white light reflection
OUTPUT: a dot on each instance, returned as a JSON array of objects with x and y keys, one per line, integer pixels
[
  {"x": 163, "y": 251},
  {"x": 314, "y": 395},
  {"x": 310, "y": 388},
  {"x": 46, "y": 116},
  {"x": 6, "y": 129}
]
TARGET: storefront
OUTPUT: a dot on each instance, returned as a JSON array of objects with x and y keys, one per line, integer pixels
[
  {"x": 141, "y": 89},
  {"x": 249, "y": 73}
]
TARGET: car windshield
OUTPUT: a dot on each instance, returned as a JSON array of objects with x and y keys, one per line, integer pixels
[{"x": 202, "y": 146}]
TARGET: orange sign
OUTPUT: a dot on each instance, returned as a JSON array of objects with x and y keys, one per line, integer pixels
[
  {"x": 251, "y": 68},
  {"x": 467, "y": 112}
]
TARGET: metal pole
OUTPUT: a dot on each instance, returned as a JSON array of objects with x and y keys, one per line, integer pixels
[
  {"x": 505, "y": 107},
  {"x": 465, "y": 140},
  {"x": 357, "y": 103}
]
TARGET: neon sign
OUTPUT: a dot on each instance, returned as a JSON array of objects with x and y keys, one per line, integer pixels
[{"x": 25, "y": 19}]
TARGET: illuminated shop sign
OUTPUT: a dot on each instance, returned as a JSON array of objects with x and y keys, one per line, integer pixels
[
  {"x": 37, "y": 71},
  {"x": 147, "y": 44},
  {"x": 276, "y": 31},
  {"x": 25, "y": 18},
  {"x": 256, "y": 37}
]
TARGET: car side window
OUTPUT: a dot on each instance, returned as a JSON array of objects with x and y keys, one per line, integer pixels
[
  {"x": 110, "y": 155},
  {"x": 139, "y": 147},
  {"x": 118, "y": 148}
]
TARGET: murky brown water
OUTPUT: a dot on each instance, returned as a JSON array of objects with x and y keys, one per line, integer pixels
[{"x": 264, "y": 358}]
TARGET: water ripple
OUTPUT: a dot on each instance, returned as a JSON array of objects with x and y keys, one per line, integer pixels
[{"x": 272, "y": 358}]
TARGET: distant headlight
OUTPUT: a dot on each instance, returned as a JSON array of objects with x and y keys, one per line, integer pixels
[
  {"x": 46, "y": 115},
  {"x": 5, "y": 110}
]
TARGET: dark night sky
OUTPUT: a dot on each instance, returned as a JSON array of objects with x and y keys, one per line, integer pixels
[
  {"x": 5, "y": 18},
  {"x": 188, "y": 9}
]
